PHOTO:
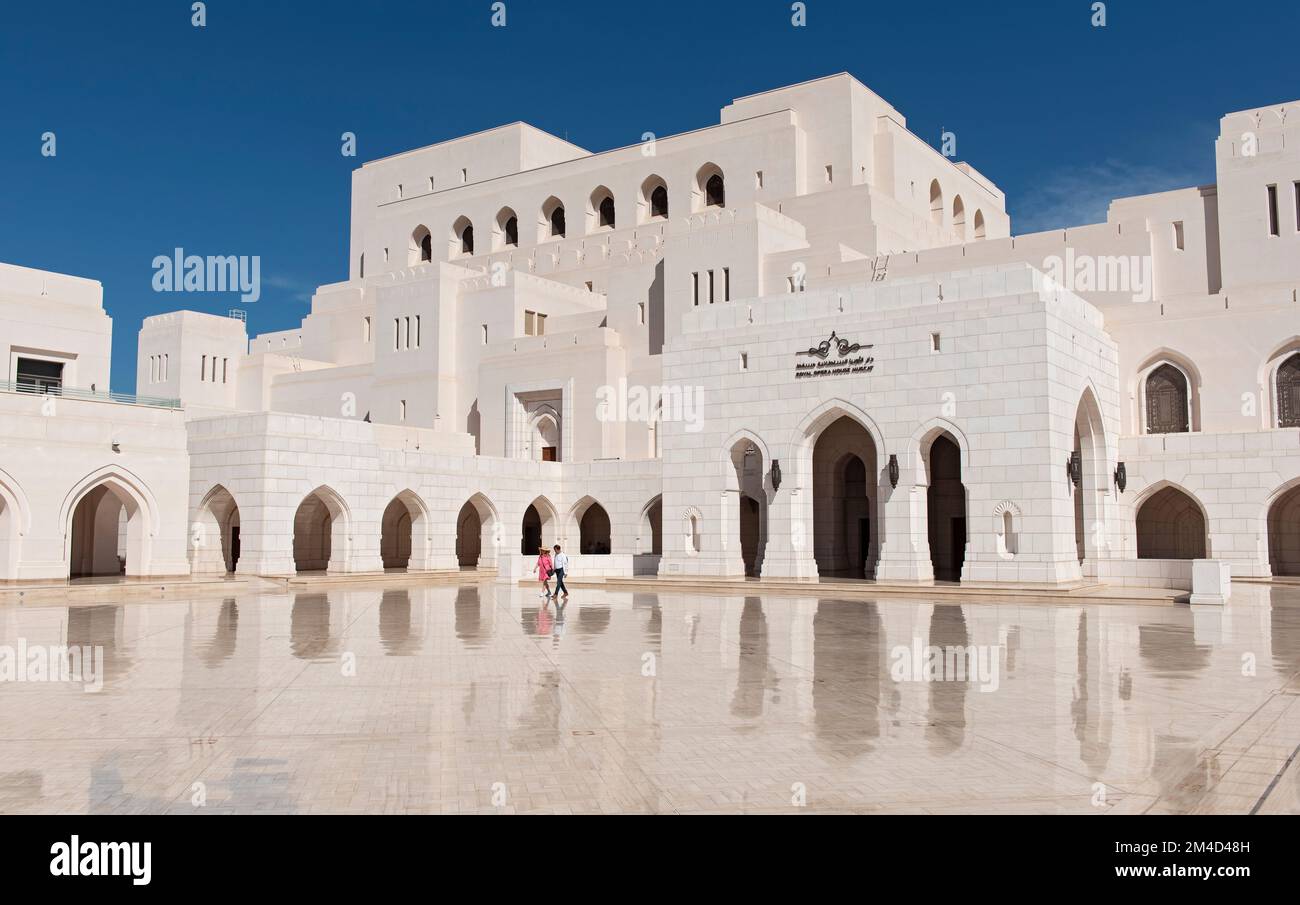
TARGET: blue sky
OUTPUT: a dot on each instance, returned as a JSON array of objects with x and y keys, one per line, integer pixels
[{"x": 225, "y": 139}]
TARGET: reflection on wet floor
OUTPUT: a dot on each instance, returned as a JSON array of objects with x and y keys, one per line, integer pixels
[{"x": 487, "y": 698}]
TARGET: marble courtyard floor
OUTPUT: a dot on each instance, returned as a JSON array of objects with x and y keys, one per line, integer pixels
[{"x": 476, "y": 698}]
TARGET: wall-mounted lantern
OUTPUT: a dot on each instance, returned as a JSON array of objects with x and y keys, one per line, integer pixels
[
  {"x": 1074, "y": 468},
  {"x": 893, "y": 470},
  {"x": 776, "y": 474},
  {"x": 1121, "y": 477}
]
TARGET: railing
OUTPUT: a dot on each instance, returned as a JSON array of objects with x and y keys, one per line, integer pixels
[{"x": 31, "y": 389}]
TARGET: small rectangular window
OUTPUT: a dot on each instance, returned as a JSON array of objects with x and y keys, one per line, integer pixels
[
  {"x": 203, "y": 369},
  {"x": 1178, "y": 234},
  {"x": 541, "y": 325},
  {"x": 485, "y": 334},
  {"x": 529, "y": 318},
  {"x": 830, "y": 174},
  {"x": 935, "y": 344},
  {"x": 464, "y": 175},
  {"x": 640, "y": 313},
  {"x": 225, "y": 367},
  {"x": 365, "y": 329},
  {"x": 408, "y": 333},
  {"x": 710, "y": 287},
  {"x": 399, "y": 190},
  {"x": 789, "y": 284},
  {"x": 401, "y": 410},
  {"x": 758, "y": 179},
  {"x": 695, "y": 287},
  {"x": 726, "y": 284},
  {"x": 431, "y": 183},
  {"x": 1297, "y": 206},
  {"x": 167, "y": 360},
  {"x": 397, "y": 333},
  {"x": 417, "y": 331},
  {"x": 744, "y": 361},
  {"x": 1273, "y": 228},
  {"x": 385, "y": 255}
]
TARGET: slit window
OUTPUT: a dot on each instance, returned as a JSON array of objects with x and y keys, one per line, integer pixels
[
  {"x": 1273, "y": 228},
  {"x": 726, "y": 284},
  {"x": 935, "y": 342},
  {"x": 1178, "y": 234}
]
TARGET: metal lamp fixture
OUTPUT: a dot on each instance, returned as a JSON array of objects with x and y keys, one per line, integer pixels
[
  {"x": 1074, "y": 468},
  {"x": 776, "y": 474},
  {"x": 893, "y": 470},
  {"x": 1121, "y": 477}
]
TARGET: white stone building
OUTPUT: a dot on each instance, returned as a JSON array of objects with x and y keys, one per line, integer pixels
[{"x": 798, "y": 342}]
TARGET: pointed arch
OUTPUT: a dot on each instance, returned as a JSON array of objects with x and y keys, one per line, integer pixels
[
  {"x": 650, "y": 540},
  {"x": 551, "y": 222},
  {"x": 478, "y": 533},
  {"x": 710, "y": 187},
  {"x": 1280, "y": 519},
  {"x": 1150, "y": 378},
  {"x": 653, "y": 203},
  {"x": 936, "y": 203},
  {"x": 88, "y": 534},
  {"x": 15, "y": 524},
  {"x": 462, "y": 238},
  {"x": 589, "y": 522},
  {"x": 406, "y": 533},
  {"x": 1170, "y": 523},
  {"x": 322, "y": 532},
  {"x": 420, "y": 250},
  {"x": 600, "y": 210},
  {"x": 959, "y": 217},
  {"x": 214, "y": 533},
  {"x": 539, "y": 527},
  {"x": 981, "y": 231},
  {"x": 506, "y": 233}
]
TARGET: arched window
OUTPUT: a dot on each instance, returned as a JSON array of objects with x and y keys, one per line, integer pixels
[
  {"x": 1167, "y": 401},
  {"x": 936, "y": 203},
  {"x": 659, "y": 202},
  {"x": 980, "y": 231},
  {"x": 507, "y": 231},
  {"x": 653, "y": 201},
  {"x": 1288, "y": 392},
  {"x": 421, "y": 247},
  {"x": 553, "y": 226},
  {"x": 710, "y": 188},
  {"x": 462, "y": 237},
  {"x": 959, "y": 217},
  {"x": 600, "y": 210},
  {"x": 715, "y": 192}
]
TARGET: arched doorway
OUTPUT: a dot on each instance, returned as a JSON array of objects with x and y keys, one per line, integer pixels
[
  {"x": 845, "y": 501},
  {"x": 745, "y": 480},
  {"x": 538, "y": 528},
  {"x": 12, "y": 514},
  {"x": 945, "y": 502},
  {"x": 99, "y": 529},
  {"x": 1284, "y": 533},
  {"x": 320, "y": 532},
  {"x": 214, "y": 536},
  {"x": 1093, "y": 484},
  {"x": 395, "y": 536},
  {"x": 477, "y": 534},
  {"x": 593, "y": 528},
  {"x": 1170, "y": 525}
]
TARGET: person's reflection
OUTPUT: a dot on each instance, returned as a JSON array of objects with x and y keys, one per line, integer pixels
[
  {"x": 946, "y": 726},
  {"x": 752, "y": 671},
  {"x": 848, "y": 662}
]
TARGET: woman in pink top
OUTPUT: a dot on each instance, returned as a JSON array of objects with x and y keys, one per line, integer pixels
[{"x": 544, "y": 570}]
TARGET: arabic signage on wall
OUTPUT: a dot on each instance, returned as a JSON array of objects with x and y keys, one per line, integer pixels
[{"x": 834, "y": 357}]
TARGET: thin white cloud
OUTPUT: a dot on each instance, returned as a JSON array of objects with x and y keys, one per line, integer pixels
[{"x": 1077, "y": 196}]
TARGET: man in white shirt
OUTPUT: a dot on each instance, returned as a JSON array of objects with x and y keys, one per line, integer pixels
[{"x": 560, "y": 562}]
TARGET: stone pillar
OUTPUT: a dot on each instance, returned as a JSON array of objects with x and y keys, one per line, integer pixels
[
  {"x": 789, "y": 536},
  {"x": 905, "y": 548}
]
